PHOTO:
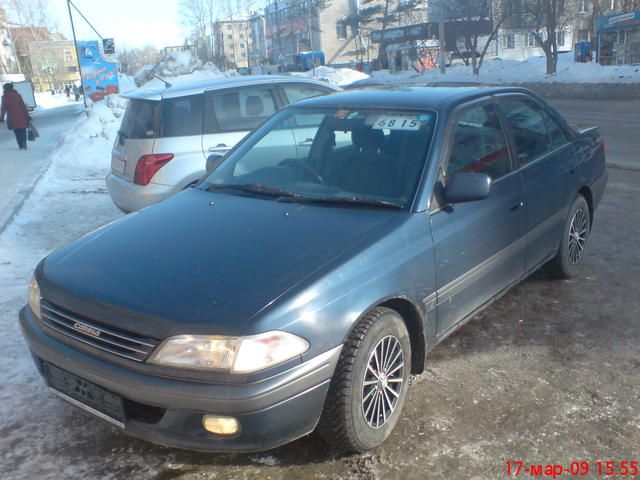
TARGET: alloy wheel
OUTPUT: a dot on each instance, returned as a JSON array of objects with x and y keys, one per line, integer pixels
[
  {"x": 383, "y": 380},
  {"x": 577, "y": 236}
]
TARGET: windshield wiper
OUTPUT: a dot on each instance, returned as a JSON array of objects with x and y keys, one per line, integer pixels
[
  {"x": 251, "y": 188},
  {"x": 351, "y": 200}
]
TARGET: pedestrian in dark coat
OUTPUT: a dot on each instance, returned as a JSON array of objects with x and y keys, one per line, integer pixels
[{"x": 18, "y": 117}]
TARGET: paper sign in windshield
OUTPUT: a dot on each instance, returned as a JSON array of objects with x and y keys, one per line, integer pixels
[{"x": 394, "y": 122}]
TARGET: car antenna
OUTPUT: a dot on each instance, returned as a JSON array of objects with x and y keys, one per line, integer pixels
[{"x": 166, "y": 84}]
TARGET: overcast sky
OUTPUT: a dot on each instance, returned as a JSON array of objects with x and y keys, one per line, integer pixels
[{"x": 131, "y": 23}]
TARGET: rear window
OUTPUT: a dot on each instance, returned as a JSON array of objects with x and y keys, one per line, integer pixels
[
  {"x": 182, "y": 116},
  {"x": 140, "y": 119}
]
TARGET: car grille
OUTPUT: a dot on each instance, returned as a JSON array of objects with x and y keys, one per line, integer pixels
[{"x": 115, "y": 341}]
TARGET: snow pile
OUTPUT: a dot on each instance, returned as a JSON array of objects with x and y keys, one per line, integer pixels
[
  {"x": 126, "y": 83},
  {"x": 497, "y": 71},
  {"x": 335, "y": 76},
  {"x": 205, "y": 72}
]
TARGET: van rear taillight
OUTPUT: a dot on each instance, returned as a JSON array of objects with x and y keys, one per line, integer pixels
[{"x": 148, "y": 165}]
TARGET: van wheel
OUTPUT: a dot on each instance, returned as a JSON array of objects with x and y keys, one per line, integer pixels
[
  {"x": 574, "y": 241},
  {"x": 369, "y": 386}
]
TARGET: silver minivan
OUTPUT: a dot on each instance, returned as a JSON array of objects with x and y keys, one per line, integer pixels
[{"x": 167, "y": 135}]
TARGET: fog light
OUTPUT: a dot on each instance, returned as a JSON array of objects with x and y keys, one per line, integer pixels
[{"x": 220, "y": 425}]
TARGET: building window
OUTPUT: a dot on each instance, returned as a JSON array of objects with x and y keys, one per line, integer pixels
[
  {"x": 68, "y": 58},
  {"x": 229, "y": 37},
  {"x": 242, "y": 45},
  {"x": 510, "y": 40},
  {"x": 242, "y": 35},
  {"x": 583, "y": 35},
  {"x": 529, "y": 40},
  {"x": 560, "y": 7},
  {"x": 583, "y": 5},
  {"x": 229, "y": 27},
  {"x": 560, "y": 38},
  {"x": 243, "y": 55},
  {"x": 341, "y": 30}
]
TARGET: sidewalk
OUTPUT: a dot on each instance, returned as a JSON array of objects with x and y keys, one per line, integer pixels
[{"x": 19, "y": 170}]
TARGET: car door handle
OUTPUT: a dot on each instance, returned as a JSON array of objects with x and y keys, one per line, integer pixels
[
  {"x": 516, "y": 206},
  {"x": 221, "y": 147}
]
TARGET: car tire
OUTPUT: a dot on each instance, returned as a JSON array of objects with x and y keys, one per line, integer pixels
[
  {"x": 351, "y": 419},
  {"x": 575, "y": 237}
]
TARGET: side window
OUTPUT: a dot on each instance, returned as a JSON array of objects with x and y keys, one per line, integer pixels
[
  {"x": 299, "y": 91},
  {"x": 181, "y": 116},
  {"x": 534, "y": 132},
  {"x": 556, "y": 134},
  {"x": 238, "y": 110},
  {"x": 479, "y": 144}
]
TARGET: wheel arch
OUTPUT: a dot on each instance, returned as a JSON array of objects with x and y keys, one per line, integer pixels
[
  {"x": 585, "y": 191},
  {"x": 412, "y": 318}
]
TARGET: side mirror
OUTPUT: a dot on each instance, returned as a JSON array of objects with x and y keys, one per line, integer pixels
[
  {"x": 213, "y": 162},
  {"x": 467, "y": 187}
]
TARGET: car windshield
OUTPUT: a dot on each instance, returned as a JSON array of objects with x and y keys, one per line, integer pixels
[{"x": 371, "y": 156}]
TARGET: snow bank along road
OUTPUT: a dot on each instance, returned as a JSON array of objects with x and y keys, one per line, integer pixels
[
  {"x": 548, "y": 374},
  {"x": 18, "y": 168}
]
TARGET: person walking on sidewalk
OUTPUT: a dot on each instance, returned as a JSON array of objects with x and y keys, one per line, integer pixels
[{"x": 18, "y": 117}]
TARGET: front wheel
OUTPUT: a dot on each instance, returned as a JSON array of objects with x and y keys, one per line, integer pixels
[
  {"x": 574, "y": 241},
  {"x": 369, "y": 386}
]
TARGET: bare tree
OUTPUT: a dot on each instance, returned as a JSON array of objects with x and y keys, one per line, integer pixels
[
  {"x": 480, "y": 21},
  {"x": 543, "y": 19},
  {"x": 131, "y": 60},
  {"x": 197, "y": 16}
]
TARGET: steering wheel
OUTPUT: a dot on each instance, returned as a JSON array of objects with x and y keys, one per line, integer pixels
[{"x": 306, "y": 167}]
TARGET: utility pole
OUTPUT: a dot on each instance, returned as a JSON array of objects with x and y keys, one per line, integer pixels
[
  {"x": 75, "y": 43},
  {"x": 443, "y": 67},
  {"x": 313, "y": 60}
]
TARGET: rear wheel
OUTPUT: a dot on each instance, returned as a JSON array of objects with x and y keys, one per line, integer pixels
[
  {"x": 369, "y": 386},
  {"x": 574, "y": 241}
]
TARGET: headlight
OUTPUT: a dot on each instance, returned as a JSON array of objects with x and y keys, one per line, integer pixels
[
  {"x": 34, "y": 297},
  {"x": 239, "y": 355}
]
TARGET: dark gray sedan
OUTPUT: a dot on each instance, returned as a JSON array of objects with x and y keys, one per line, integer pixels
[{"x": 303, "y": 280}]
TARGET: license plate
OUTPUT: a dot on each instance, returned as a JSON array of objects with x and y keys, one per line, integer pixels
[
  {"x": 118, "y": 165},
  {"x": 86, "y": 395}
]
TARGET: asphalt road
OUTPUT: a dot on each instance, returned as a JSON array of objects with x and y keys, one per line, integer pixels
[
  {"x": 18, "y": 168},
  {"x": 619, "y": 121}
]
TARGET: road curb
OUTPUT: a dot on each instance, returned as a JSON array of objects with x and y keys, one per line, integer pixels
[{"x": 24, "y": 191}]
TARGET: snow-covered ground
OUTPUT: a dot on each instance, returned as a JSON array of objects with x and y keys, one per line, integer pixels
[
  {"x": 46, "y": 100},
  {"x": 336, "y": 76},
  {"x": 497, "y": 71}
]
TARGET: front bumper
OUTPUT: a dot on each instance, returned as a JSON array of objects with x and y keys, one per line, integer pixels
[
  {"x": 130, "y": 197},
  {"x": 168, "y": 411}
]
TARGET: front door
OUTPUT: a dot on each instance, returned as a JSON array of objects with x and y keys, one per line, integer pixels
[{"x": 479, "y": 246}]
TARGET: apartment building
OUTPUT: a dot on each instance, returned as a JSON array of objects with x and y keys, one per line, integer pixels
[
  {"x": 294, "y": 26},
  {"x": 232, "y": 42},
  {"x": 53, "y": 64}
]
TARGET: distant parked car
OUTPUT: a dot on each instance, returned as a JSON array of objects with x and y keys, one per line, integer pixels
[
  {"x": 303, "y": 281},
  {"x": 167, "y": 135}
]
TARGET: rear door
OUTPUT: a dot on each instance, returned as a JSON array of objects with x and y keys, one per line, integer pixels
[
  {"x": 230, "y": 114},
  {"x": 548, "y": 165},
  {"x": 479, "y": 245}
]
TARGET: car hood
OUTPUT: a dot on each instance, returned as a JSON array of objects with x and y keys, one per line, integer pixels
[{"x": 199, "y": 262}]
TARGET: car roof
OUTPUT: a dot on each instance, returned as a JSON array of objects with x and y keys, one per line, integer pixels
[
  {"x": 200, "y": 86},
  {"x": 418, "y": 97}
]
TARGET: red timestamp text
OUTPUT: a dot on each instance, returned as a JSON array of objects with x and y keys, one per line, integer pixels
[{"x": 577, "y": 468}]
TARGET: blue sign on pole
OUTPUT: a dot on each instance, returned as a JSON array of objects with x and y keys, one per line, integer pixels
[{"x": 99, "y": 75}]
